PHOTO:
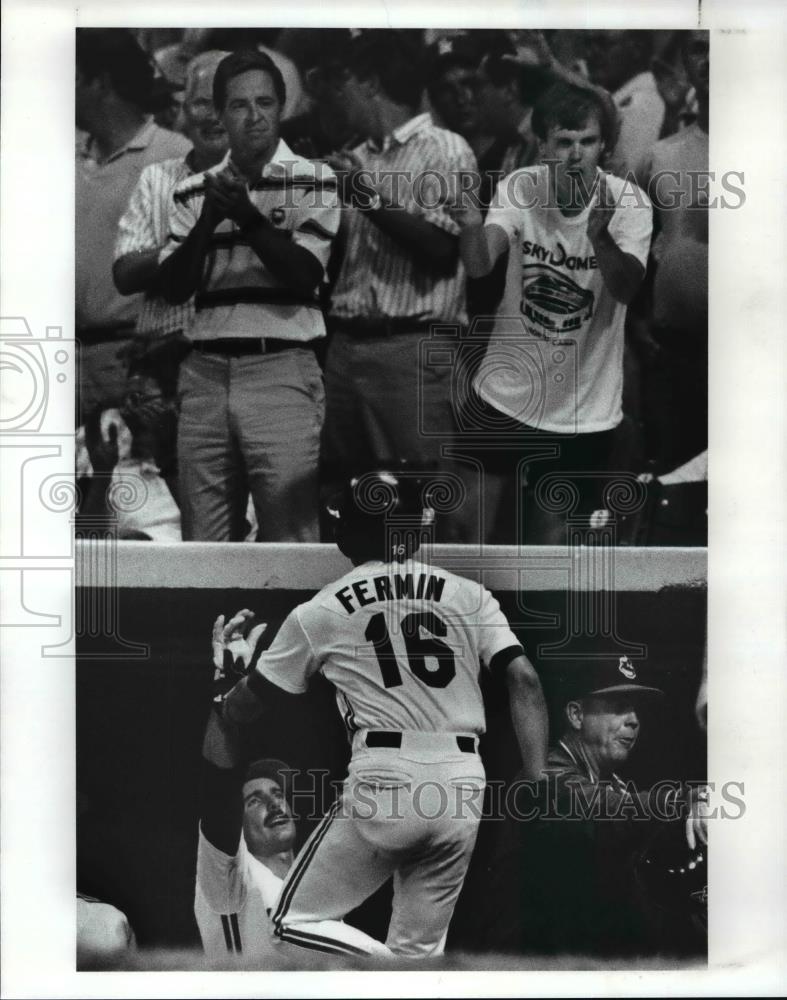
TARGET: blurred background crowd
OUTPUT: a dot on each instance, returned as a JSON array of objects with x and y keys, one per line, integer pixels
[{"x": 146, "y": 122}]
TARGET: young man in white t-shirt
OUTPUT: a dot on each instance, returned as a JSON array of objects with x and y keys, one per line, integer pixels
[
  {"x": 404, "y": 644},
  {"x": 552, "y": 377}
]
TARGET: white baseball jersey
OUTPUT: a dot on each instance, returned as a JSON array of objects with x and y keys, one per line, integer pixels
[
  {"x": 402, "y": 643},
  {"x": 233, "y": 901},
  {"x": 564, "y": 371}
]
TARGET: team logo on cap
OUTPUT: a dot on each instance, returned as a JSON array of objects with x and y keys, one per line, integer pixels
[{"x": 626, "y": 667}]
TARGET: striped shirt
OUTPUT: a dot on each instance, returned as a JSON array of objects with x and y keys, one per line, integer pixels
[
  {"x": 145, "y": 226},
  {"x": 416, "y": 168},
  {"x": 238, "y": 296},
  {"x": 101, "y": 194}
]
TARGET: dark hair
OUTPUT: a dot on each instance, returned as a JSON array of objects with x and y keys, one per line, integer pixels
[
  {"x": 271, "y": 768},
  {"x": 500, "y": 63},
  {"x": 566, "y": 105},
  {"x": 325, "y": 49},
  {"x": 241, "y": 62},
  {"x": 235, "y": 39},
  {"x": 396, "y": 58},
  {"x": 116, "y": 52},
  {"x": 441, "y": 65}
]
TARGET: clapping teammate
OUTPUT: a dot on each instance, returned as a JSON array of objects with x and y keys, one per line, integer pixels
[{"x": 247, "y": 831}]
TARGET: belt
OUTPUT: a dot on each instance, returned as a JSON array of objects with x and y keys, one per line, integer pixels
[
  {"x": 385, "y": 326},
  {"x": 237, "y": 346},
  {"x": 252, "y": 296},
  {"x": 386, "y": 738},
  {"x": 105, "y": 333}
]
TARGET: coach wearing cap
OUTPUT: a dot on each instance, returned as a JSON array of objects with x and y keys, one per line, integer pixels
[
  {"x": 566, "y": 875},
  {"x": 602, "y": 722}
]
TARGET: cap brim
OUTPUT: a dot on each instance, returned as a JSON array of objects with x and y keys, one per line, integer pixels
[{"x": 627, "y": 689}]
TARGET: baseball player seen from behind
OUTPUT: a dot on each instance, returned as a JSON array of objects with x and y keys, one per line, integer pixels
[
  {"x": 403, "y": 643},
  {"x": 247, "y": 832}
]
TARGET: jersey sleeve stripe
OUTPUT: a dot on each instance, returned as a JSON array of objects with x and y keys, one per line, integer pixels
[
  {"x": 349, "y": 716},
  {"x": 225, "y": 926},
  {"x": 236, "y": 933},
  {"x": 503, "y": 657}
]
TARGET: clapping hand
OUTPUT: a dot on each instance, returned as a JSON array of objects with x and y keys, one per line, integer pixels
[
  {"x": 465, "y": 206},
  {"x": 227, "y": 197}
]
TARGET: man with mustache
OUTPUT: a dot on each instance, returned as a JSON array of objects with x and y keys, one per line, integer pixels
[
  {"x": 247, "y": 831},
  {"x": 240, "y": 866}
]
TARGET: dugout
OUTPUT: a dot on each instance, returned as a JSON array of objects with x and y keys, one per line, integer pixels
[{"x": 143, "y": 688}]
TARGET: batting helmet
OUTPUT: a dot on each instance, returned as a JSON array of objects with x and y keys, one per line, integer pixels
[{"x": 382, "y": 515}]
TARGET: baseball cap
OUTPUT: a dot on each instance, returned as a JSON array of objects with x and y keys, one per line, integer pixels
[{"x": 616, "y": 675}]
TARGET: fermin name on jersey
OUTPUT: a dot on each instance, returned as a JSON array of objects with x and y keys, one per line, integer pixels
[{"x": 394, "y": 587}]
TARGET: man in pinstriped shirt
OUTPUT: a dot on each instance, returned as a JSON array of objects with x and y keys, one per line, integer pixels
[
  {"x": 143, "y": 228},
  {"x": 114, "y": 100},
  {"x": 400, "y": 273}
]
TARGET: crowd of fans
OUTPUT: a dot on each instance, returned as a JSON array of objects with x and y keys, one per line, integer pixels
[{"x": 260, "y": 314}]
